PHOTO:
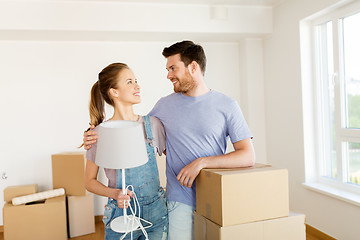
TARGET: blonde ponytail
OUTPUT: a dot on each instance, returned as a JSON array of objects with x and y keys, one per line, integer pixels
[{"x": 96, "y": 105}]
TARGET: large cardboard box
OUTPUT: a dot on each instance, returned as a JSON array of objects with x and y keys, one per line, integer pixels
[
  {"x": 68, "y": 171},
  {"x": 81, "y": 215},
  {"x": 285, "y": 228},
  {"x": 36, "y": 221},
  {"x": 17, "y": 191},
  {"x": 235, "y": 196}
]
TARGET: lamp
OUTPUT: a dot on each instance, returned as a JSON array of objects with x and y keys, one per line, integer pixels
[{"x": 121, "y": 145}]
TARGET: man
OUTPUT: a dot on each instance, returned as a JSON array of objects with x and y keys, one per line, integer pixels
[{"x": 198, "y": 122}]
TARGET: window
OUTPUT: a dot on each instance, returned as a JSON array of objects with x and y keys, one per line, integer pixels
[{"x": 333, "y": 40}]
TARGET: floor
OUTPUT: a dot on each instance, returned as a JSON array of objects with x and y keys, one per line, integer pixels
[
  {"x": 99, "y": 234},
  {"x": 309, "y": 237}
]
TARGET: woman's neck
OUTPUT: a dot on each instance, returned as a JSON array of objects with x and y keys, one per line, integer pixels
[{"x": 124, "y": 113}]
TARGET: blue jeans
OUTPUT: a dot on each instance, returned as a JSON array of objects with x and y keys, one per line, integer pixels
[{"x": 181, "y": 221}]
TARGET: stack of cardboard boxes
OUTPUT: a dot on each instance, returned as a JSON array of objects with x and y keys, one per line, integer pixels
[
  {"x": 247, "y": 204},
  {"x": 53, "y": 218},
  {"x": 68, "y": 171}
]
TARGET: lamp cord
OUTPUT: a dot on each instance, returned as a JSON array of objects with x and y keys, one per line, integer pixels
[{"x": 137, "y": 219}]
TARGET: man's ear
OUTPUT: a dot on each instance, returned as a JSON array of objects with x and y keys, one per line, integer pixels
[
  {"x": 113, "y": 92},
  {"x": 193, "y": 66}
]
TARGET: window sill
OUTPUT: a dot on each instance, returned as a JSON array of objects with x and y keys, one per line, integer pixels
[{"x": 334, "y": 192}]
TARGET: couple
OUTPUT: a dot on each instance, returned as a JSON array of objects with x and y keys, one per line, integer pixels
[{"x": 197, "y": 122}]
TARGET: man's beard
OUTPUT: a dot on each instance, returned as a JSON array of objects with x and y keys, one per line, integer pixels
[{"x": 185, "y": 84}]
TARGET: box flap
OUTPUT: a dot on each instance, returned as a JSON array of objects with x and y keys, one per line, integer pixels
[
  {"x": 70, "y": 153},
  {"x": 224, "y": 171},
  {"x": 18, "y": 191}
]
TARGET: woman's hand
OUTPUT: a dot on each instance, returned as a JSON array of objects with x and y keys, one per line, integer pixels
[{"x": 121, "y": 198}]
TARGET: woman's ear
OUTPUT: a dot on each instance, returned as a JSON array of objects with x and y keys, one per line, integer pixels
[{"x": 113, "y": 93}]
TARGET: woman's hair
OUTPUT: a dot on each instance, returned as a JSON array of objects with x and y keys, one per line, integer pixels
[{"x": 100, "y": 91}]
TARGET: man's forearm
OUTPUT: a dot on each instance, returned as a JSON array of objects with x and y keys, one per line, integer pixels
[
  {"x": 237, "y": 158},
  {"x": 243, "y": 156}
]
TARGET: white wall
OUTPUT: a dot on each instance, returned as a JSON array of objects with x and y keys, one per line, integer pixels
[
  {"x": 45, "y": 91},
  {"x": 284, "y": 124},
  {"x": 49, "y": 62},
  {"x": 52, "y": 51}
]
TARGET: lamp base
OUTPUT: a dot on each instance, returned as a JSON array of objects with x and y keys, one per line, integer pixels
[{"x": 119, "y": 225}]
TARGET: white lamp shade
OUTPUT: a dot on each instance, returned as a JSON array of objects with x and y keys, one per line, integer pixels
[{"x": 120, "y": 145}]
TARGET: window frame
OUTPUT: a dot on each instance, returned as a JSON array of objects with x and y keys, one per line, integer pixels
[{"x": 313, "y": 110}]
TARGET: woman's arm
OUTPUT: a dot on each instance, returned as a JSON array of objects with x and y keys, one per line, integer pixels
[{"x": 94, "y": 186}]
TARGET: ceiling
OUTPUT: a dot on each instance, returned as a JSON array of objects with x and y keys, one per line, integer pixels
[{"x": 207, "y": 2}]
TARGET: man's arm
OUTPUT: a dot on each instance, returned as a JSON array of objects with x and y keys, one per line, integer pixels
[
  {"x": 242, "y": 156},
  {"x": 90, "y": 137}
]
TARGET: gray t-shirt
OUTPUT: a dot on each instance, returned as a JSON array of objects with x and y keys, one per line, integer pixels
[{"x": 158, "y": 143}]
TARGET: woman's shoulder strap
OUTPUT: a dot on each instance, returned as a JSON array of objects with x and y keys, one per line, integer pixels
[{"x": 148, "y": 129}]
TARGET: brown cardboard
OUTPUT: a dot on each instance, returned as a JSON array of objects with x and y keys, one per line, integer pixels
[
  {"x": 242, "y": 195},
  {"x": 68, "y": 171},
  {"x": 292, "y": 227},
  {"x": 41, "y": 221},
  {"x": 17, "y": 191},
  {"x": 285, "y": 228},
  {"x": 81, "y": 215}
]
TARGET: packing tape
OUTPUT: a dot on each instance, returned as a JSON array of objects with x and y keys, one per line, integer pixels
[{"x": 38, "y": 196}]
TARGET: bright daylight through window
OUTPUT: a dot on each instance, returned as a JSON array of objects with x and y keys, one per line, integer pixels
[
  {"x": 351, "y": 47},
  {"x": 336, "y": 102}
]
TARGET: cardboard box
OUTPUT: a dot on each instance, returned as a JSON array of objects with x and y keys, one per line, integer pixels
[
  {"x": 17, "y": 191},
  {"x": 68, "y": 171},
  {"x": 285, "y": 228},
  {"x": 235, "y": 196},
  {"x": 36, "y": 221},
  {"x": 81, "y": 217}
]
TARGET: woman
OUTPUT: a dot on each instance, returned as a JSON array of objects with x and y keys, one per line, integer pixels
[{"x": 118, "y": 87}]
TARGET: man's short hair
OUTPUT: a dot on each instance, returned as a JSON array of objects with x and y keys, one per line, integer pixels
[{"x": 189, "y": 51}]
